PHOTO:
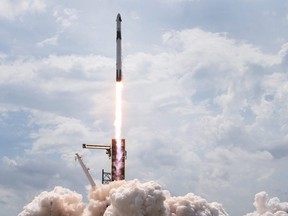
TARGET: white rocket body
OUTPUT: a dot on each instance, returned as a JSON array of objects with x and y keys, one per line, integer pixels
[{"x": 118, "y": 49}]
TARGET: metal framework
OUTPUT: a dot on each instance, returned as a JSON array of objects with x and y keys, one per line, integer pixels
[
  {"x": 86, "y": 170},
  {"x": 106, "y": 177},
  {"x": 111, "y": 151}
]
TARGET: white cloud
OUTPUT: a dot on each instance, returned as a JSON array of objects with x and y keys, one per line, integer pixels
[
  {"x": 216, "y": 48},
  {"x": 53, "y": 41},
  {"x": 65, "y": 17},
  {"x": 226, "y": 164},
  {"x": 201, "y": 73},
  {"x": 12, "y": 9},
  {"x": 50, "y": 74},
  {"x": 9, "y": 162},
  {"x": 58, "y": 135}
]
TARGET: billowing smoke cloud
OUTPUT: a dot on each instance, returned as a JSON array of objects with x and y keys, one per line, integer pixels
[
  {"x": 121, "y": 198},
  {"x": 268, "y": 207},
  {"x": 60, "y": 201}
]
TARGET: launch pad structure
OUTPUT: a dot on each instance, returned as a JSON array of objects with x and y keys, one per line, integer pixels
[{"x": 116, "y": 160}]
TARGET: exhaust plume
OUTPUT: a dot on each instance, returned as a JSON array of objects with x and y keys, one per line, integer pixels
[
  {"x": 268, "y": 207},
  {"x": 121, "y": 198},
  {"x": 60, "y": 201}
]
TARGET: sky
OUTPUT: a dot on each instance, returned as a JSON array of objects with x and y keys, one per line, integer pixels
[{"x": 204, "y": 100}]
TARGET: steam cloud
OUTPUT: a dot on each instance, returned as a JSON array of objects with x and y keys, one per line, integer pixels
[
  {"x": 121, "y": 198},
  {"x": 60, "y": 201},
  {"x": 132, "y": 198},
  {"x": 268, "y": 207}
]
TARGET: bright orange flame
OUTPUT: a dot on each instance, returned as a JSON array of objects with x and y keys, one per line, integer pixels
[{"x": 118, "y": 124}]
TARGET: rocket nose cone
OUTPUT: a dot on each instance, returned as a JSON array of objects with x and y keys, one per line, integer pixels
[{"x": 118, "y": 17}]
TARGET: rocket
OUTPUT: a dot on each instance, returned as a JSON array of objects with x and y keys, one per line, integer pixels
[{"x": 118, "y": 49}]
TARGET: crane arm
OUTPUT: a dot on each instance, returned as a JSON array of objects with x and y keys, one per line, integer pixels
[{"x": 86, "y": 171}]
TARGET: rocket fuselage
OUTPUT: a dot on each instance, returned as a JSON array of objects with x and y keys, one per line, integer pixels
[{"x": 118, "y": 49}]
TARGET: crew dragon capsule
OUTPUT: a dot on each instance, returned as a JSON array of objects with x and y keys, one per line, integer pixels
[{"x": 118, "y": 49}]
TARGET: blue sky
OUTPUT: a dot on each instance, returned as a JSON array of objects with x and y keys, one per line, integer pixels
[{"x": 205, "y": 96}]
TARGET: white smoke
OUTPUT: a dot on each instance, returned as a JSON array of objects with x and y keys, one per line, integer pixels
[
  {"x": 60, "y": 201},
  {"x": 134, "y": 198},
  {"x": 99, "y": 198},
  {"x": 268, "y": 207},
  {"x": 121, "y": 198},
  {"x": 194, "y": 205}
]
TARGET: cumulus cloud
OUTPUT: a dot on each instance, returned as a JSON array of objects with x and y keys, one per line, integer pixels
[
  {"x": 11, "y": 9},
  {"x": 56, "y": 136},
  {"x": 128, "y": 198},
  {"x": 41, "y": 84},
  {"x": 9, "y": 162},
  {"x": 65, "y": 17},
  {"x": 29, "y": 69},
  {"x": 203, "y": 76},
  {"x": 223, "y": 166}
]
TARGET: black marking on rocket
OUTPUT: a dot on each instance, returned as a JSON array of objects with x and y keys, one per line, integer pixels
[
  {"x": 118, "y": 75},
  {"x": 118, "y": 35}
]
